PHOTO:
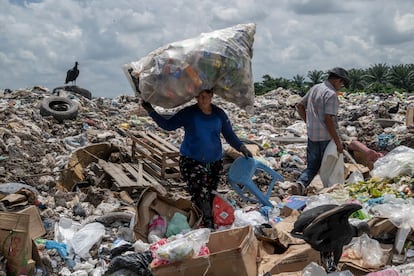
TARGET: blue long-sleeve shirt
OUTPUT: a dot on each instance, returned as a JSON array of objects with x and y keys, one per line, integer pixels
[{"x": 202, "y": 132}]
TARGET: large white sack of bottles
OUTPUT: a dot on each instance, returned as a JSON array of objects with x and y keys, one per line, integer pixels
[{"x": 175, "y": 73}]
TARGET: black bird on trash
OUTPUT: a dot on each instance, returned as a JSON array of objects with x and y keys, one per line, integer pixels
[
  {"x": 394, "y": 109},
  {"x": 326, "y": 229},
  {"x": 72, "y": 74}
]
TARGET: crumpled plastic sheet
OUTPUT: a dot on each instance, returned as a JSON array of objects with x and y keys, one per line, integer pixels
[
  {"x": 138, "y": 263},
  {"x": 399, "y": 161},
  {"x": 12, "y": 187},
  {"x": 175, "y": 73}
]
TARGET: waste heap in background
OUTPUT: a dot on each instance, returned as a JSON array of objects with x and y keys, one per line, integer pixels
[
  {"x": 220, "y": 60},
  {"x": 35, "y": 150}
]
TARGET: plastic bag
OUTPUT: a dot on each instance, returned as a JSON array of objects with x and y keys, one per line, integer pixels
[
  {"x": 313, "y": 269},
  {"x": 366, "y": 249},
  {"x": 177, "y": 225},
  {"x": 321, "y": 199},
  {"x": 298, "y": 128},
  {"x": 175, "y": 73},
  {"x": 355, "y": 177},
  {"x": 223, "y": 212},
  {"x": 399, "y": 161},
  {"x": 332, "y": 167},
  {"x": 175, "y": 250},
  {"x": 65, "y": 229},
  {"x": 135, "y": 263},
  {"x": 83, "y": 240},
  {"x": 184, "y": 247},
  {"x": 157, "y": 228},
  {"x": 386, "y": 272},
  {"x": 242, "y": 218}
]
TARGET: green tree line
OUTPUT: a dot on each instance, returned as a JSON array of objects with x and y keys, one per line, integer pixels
[{"x": 379, "y": 78}]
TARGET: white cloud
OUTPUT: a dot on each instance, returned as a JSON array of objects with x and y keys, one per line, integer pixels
[
  {"x": 41, "y": 40},
  {"x": 405, "y": 22}
]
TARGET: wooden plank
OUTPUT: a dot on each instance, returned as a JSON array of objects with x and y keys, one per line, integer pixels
[
  {"x": 148, "y": 180},
  {"x": 169, "y": 147},
  {"x": 409, "y": 117},
  {"x": 155, "y": 141},
  {"x": 148, "y": 177},
  {"x": 133, "y": 172},
  {"x": 136, "y": 176},
  {"x": 117, "y": 173}
]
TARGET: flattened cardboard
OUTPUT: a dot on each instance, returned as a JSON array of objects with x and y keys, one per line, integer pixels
[
  {"x": 79, "y": 160},
  {"x": 380, "y": 225},
  {"x": 14, "y": 200}
]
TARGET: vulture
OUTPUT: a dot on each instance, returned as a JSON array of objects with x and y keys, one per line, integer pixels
[
  {"x": 394, "y": 109},
  {"x": 326, "y": 229},
  {"x": 72, "y": 74}
]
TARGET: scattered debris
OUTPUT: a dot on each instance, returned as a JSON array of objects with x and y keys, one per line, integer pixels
[{"x": 110, "y": 165}]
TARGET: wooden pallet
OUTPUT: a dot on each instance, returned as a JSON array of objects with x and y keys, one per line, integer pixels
[
  {"x": 128, "y": 175},
  {"x": 160, "y": 157}
]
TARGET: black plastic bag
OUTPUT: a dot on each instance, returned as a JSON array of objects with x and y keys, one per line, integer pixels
[{"x": 134, "y": 264}]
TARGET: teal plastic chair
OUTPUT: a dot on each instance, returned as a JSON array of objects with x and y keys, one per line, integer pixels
[{"x": 240, "y": 177}]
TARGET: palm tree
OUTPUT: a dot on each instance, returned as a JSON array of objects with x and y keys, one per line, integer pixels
[
  {"x": 402, "y": 76},
  {"x": 298, "y": 83},
  {"x": 298, "y": 80},
  {"x": 377, "y": 74},
  {"x": 356, "y": 79},
  {"x": 378, "y": 78},
  {"x": 316, "y": 76},
  {"x": 282, "y": 82}
]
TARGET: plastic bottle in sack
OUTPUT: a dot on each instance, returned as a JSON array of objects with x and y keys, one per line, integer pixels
[
  {"x": 193, "y": 75},
  {"x": 209, "y": 64}
]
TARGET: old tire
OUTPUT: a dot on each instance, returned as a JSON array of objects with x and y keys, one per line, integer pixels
[
  {"x": 59, "y": 107},
  {"x": 74, "y": 89}
]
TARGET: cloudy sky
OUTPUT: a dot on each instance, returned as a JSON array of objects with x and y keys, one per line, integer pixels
[{"x": 41, "y": 39}]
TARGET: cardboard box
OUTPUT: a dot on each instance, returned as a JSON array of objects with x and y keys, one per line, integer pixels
[
  {"x": 36, "y": 227},
  {"x": 232, "y": 252},
  {"x": 16, "y": 243},
  {"x": 151, "y": 203},
  {"x": 294, "y": 259}
]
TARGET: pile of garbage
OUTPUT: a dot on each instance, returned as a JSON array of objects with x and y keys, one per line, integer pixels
[{"x": 91, "y": 226}]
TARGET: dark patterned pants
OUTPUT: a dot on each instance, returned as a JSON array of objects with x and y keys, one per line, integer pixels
[{"x": 202, "y": 178}]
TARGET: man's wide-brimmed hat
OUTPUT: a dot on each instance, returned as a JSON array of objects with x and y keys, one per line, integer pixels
[{"x": 342, "y": 73}]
